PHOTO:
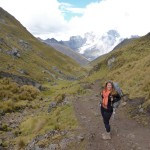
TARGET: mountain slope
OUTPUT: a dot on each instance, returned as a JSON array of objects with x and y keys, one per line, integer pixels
[
  {"x": 123, "y": 43},
  {"x": 67, "y": 51},
  {"x": 27, "y": 113},
  {"x": 130, "y": 66},
  {"x": 22, "y": 54}
]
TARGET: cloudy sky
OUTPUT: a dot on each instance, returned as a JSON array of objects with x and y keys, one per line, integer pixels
[{"x": 62, "y": 18}]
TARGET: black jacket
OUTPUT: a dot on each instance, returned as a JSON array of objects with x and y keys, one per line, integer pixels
[{"x": 116, "y": 98}]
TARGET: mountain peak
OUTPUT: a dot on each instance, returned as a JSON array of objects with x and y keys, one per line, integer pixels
[
  {"x": 52, "y": 40},
  {"x": 92, "y": 45}
]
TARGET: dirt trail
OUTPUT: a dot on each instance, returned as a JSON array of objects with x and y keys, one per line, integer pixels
[{"x": 126, "y": 133}]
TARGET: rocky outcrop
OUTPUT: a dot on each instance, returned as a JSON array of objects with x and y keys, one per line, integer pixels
[
  {"x": 111, "y": 61},
  {"x": 51, "y": 106},
  {"x": 24, "y": 44},
  {"x": 21, "y": 79},
  {"x": 14, "y": 52}
]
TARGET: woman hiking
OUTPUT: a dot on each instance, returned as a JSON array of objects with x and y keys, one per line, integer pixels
[{"x": 109, "y": 96}]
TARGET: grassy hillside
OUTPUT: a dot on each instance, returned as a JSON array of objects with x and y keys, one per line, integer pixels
[
  {"x": 39, "y": 61},
  {"x": 25, "y": 111},
  {"x": 67, "y": 51},
  {"x": 130, "y": 66}
]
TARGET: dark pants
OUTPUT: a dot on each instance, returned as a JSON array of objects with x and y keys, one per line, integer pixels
[{"x": 106, "y": 117}]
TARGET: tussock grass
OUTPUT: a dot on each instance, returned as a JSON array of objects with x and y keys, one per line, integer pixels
[{"x": 14, "y": 97}]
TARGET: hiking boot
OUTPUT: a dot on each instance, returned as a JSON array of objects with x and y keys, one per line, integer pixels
[{"x": 106, "y": 136}]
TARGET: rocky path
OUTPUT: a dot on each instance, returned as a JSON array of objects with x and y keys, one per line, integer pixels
[{"x": 126, "y": 133}]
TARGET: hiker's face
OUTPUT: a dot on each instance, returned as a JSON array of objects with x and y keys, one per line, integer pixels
[{"x": 109, "y": 86}]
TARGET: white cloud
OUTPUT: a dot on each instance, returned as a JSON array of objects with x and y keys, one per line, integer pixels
[
  {"x": 45, "y": 18},
  {"x": 41, "y": 17},
  {"x": 129, "y": 17}
]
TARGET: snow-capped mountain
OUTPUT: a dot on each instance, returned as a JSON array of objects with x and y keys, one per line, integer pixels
[
  {"x": 92, "y": 45},
  {"x": 75, "y": 42}
]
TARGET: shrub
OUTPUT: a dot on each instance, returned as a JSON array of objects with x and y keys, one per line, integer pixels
[
  {"x": 28, "y": 92},
  {"x": 7, "y": 106},
  {"x": 21, "y": 143},
  {"x": 11, "y": 106},
  {"x": 9, "y": 89}
]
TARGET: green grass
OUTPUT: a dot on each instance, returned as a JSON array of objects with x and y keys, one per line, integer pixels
[
  {"x": 64, "y": 87},
  {"x": 62, "y": 118}
]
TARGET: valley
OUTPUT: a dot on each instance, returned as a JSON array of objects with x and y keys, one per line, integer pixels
[{"x": 49, "y": 94}]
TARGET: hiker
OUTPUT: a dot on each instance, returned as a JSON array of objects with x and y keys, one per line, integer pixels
[{"x": 109, "y": 96}]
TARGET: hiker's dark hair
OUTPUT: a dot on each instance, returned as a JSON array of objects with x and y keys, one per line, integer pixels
[{"x": 113, "y": 92}]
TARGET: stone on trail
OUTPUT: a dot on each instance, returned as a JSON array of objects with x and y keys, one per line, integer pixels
[
  {"x": 83, "y": 117},
  {"x": 80, "y": 138},
  {"x": 123, "y": 104},
  {"x": 106, "y": 136},
  {"x": 131, "y": 135},
  {"x": 96, "y": 114}
]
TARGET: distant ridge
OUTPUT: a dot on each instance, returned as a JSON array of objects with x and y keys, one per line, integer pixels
[{"x": 66, "y": 50}]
